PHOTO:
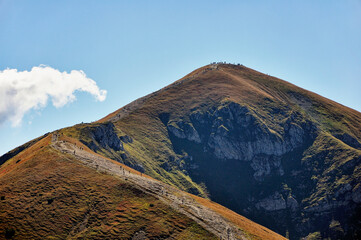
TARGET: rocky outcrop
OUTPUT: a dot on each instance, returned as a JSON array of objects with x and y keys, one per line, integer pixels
[
  {"x": 246, "y": 159},
  {"x": 356, "y": 193},
  {"x": 139, "y": 167},
  {"x": 237, "y": 133},
  {"x": 140, "y": 235},
  {"x": 349, "y": 140},
  {"x": 265, "y": 165},
  {"x": 272, "y": 203},
  {"x": 184, "y": 130},
  {"x": 232, "y": 131},
  {"x": 105, "y": 136},
  {"x": 292, "y": 203},
  {"x": 276, "y": 202},
  {"x": 126, "y": 139}
]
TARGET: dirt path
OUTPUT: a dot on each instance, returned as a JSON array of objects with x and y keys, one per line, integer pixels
[{"x": 172, "y": 196}]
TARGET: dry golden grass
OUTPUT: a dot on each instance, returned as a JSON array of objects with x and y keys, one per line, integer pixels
[
  {"x": 204, "y": 88},
  {"x": 24, "y": 156},
  {"x": 52, "y": 196},
  {"x": 44, "y": 174},
  {"x": 252, "y": 229}
]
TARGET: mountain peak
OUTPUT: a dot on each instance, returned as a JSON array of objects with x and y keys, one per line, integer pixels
[
  {"x": 252, "y": 138},
  {"x": 279, "y": 154},
  {"x": 216, "y": 79}
]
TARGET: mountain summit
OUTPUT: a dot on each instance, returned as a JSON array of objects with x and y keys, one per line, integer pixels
[{"x": 280, "y": 155}]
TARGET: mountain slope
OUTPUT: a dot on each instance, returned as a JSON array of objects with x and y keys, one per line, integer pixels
[
  {"x": 57, "y": 188},
  {"x": 278, "y": 154},
  {"x": 48, "y": 195}
]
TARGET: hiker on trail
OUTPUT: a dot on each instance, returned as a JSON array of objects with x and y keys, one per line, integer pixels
[{"x": 74, "y": 152}]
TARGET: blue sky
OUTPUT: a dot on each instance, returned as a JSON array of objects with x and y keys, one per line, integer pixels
[{"x": 132, "y": 48}]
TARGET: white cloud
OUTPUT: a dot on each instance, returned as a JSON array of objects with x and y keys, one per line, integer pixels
[{"x": 21, "y": 91}]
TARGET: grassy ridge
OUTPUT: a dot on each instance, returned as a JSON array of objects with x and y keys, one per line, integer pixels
[{"x": 48, "y": 195}]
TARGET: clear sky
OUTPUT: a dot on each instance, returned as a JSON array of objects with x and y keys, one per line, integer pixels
[{"x": 132, "y": 48}]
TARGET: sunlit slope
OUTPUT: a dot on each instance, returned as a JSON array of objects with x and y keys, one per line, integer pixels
[
  {"x": 49, "y": 195},
  {"x": 214, "y": 84},
  {"x": 47, "y": 192}
]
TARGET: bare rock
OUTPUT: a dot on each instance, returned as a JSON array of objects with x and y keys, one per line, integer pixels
[
  {"x": 141, "y": 235},
  {"x": 106, "y": 137},
  {"x": 272, "y": 203},
  {"x": 292, "y": 203},
  {"x": 126, "y": 139},
  {"x": 184, "y": 130},
  {"x": 356, "y": 193}
]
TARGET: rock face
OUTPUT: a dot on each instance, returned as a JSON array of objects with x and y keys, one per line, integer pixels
[
  {"x": 233, "y": 132},
  {"x": 272, "y": 203},
  {"x": 237, "y": 133},
  {"x": 356, "y": 193},
  {"x": 184, "y": 131},
  {"x": 256, "y": 170},
  {"x": 104, "y": 135},
  {"x": 126, "y": 139},
  {"x": 292, "y": 203}
]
